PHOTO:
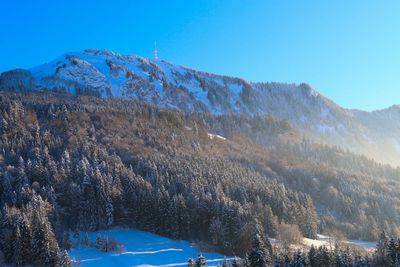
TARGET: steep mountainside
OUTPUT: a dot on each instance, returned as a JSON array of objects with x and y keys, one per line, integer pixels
[
  {"x": 90, "y": 163},
  {"x": 107, "y": 74}
]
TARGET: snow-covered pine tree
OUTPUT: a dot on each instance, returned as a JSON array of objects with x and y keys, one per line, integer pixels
[
  {"x": 17, "y": 247},
  {"x": 312, "y": 257},
  {"x": 271, "y": 222},
  {"x": 392, "y": 252},
  {"x": 324, "y": 257},
  {"x": 65, "y": 261},
  {"x": 191, "y": 262},
  {"x": 235, "y": 262},
  {"x": 201, "y": 261},
  {"x": 26, "y": 238},
  {"x": 382, "y": 249},
  {"x": 339, "y": 260},
  {"x": 21, "y": 179},
  {"x": 44, "y": 245},
  {"x": 217, "y": 232},
  {"x": 298, "y": 260},
  {"x": 260, "y": 255}
]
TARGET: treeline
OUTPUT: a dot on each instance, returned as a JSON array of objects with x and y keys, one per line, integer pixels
[{"x": 263, "y": 254}]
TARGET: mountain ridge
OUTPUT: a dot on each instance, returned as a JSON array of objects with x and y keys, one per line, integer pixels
[{"x": 104, "y": 73}]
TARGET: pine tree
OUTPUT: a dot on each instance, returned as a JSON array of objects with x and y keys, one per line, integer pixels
[
  {"x": 201, "y": 261},
  {"x": 17, "y": 248},
  {"x": 311, "y": 219},
  {"x": 44, "y": 245},
  {"x": 26, "y": 239},
  {"x": 235, "y": 262},
  {"x": 260, "y": 255},
  {"x": 298, "y": 260},
  {"x": 339, "y": 261},
  {"x": 286, "y": 262},
  {"x": 6, "y": 233},
  {"x": 191, "y": 262},
  {"x": 65, "y": 260},
  {"x": 347, "y": 257},
  {"x": 183, "y": 218},
  {"x": 271, "y": 222},
  {"x": 323, "y": 257},
  {"x": 217, "y": 232},
  {"x": 22, "y": 179},
  {"x": 312, "y": 254},
  {"x": 382, "y": 250},
  {"x": 7, "y": 194},
  {"x": 392, "y": 252}
]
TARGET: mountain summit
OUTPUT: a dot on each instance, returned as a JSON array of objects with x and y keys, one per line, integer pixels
[
  {"x": 107, "y": 74},
  {"x": 104, "y": 73}
]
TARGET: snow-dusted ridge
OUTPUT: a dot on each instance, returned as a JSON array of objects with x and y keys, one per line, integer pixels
[
  {"x": 104, "y": 73},
  {"x": 108, "y": 74}
]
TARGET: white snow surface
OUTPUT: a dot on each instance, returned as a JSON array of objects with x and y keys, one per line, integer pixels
[
  {"x": 213, "y": 136},
  {"x": 361, "y": 243},
  {"x": 142, "y": 249},
  {"x": 364, "y": 244}
]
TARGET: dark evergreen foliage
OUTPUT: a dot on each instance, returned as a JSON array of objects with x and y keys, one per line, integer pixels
[
  {"x": 86, "y": 164},
  {"x": 260, "y": 254}
]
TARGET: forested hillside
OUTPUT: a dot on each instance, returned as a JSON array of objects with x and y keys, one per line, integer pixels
[
  {"x": 107, "y": 74},
  {"x": 87, "y": 163}
]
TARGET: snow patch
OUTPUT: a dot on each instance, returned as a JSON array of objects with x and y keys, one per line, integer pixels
[
  {"x": 364, "y": 244},
  {"x": 322, "y": 237},
  {"x": 148, "y": 252},
  {"x": 213, "y": 136}
]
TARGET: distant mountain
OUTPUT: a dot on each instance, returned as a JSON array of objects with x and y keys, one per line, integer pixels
[{"x": 107, "y": 74}]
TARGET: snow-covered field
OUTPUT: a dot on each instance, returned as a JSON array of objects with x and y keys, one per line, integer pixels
[
  {"x": 364, "y": 244},
  {"x": 323, "y": 240},
  {"x": 142, "y": 249}
]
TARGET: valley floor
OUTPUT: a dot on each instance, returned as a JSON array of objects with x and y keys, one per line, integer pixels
[{"x": 142, "y": 249}]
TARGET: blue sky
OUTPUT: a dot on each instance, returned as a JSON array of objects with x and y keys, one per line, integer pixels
[{"x": 347, "y": 50}]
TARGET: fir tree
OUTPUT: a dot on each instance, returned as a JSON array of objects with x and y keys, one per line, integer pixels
[
  {"x": 382, "y": 250},
  {"x": 44, "y": 245},
  {"x": 392, "y": 252},
  {"x": 17, "y": 248},
  {"x": 312, "y": 254},
  {"x": 260, "y": 255},
  {"x": 65, "y": 260},
  {"x": 201, "y": 261},
  {"x": 26, "y": 238},
  {"x": 191, "y": 262},
  {"x": 298, "y": 260},
  {"x": 235, "y": 262}
]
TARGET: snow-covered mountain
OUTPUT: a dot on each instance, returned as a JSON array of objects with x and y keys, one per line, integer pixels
[{"x": 107, "y": 74}]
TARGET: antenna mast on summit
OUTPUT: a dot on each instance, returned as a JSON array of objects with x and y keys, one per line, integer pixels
[{"x": 155, "y": 51}]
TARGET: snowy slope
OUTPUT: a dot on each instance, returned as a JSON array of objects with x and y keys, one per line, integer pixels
[
  {"x": 141, "y": 249},
  {"x": 107, "y": 74}
]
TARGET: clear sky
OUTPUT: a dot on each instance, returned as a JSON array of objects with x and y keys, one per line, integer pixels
[{"x": 347, "y": 50}]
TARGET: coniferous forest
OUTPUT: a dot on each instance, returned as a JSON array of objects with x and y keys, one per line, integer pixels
[{"x": 84, "y": 163}]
